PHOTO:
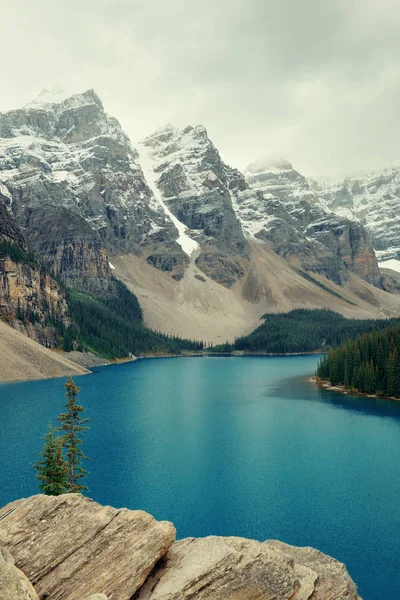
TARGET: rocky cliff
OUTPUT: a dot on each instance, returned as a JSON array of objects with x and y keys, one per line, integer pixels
[
  {"x": 30, "y": 299},
  {"x": 69, "y": 547},
  {"x": 279, "y": 207},
  {"x": 372, "y": 199}
]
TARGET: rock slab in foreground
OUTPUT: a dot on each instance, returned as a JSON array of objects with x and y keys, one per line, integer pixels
[
  {"x": 14, "y": 585},
  {"x": 71, "y": 547},
  {"x": 216, "y": 568}
]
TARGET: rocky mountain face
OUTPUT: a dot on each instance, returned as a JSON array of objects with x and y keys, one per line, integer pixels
[
  {"x": 279, "y": 207},
  {"x": 74, "y": 186},
  {"x": 30, "y": 299},
  {"x": 194, "y": 183},
  {"x": 224, "y": 208},
  {"x": 374, "y": 201},
  {"x": 78, "y": 190},
  {"x": 128, "y": 555}
]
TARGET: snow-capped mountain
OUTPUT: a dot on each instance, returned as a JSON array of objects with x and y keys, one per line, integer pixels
[
  {"x": 70, "y": 175},
  {"x": 280, "y": 208},
  {"x": 193, "y": 182},
  {"x": 204, "y": 246},
  {"x": 374, "y": 201}
]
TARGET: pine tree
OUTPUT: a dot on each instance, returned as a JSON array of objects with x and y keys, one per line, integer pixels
[
  {"x": 391, "y": 373},
  {"x": 72, "y": 425},
  {"x": 52, "y": 471}
]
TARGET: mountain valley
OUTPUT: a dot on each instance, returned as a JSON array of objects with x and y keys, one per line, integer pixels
[{"x": 206, "y": 249}]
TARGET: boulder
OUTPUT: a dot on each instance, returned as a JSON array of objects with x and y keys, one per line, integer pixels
[
  {"x": 71, "y": 547},
  {"x": 217, "y": 568},
  {"x": 14, "y": 585}
]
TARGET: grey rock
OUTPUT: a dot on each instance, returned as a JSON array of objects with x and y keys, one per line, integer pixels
[
  {"x": 217, "y": 568},
  {"x": 71, "y": 547},
  {"x": 14, "y": 585}
]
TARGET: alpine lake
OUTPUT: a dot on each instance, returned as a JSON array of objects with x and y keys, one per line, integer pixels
[{"x": 231, "y": 446}]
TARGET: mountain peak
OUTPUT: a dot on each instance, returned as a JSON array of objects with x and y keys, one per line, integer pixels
[{"x": 49, "y": 97}]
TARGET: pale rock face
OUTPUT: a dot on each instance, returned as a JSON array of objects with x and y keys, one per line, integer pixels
[
  {"x": 216, "y": 568},
  {"x": 14, "y": 585},
  {"x": 71, "y": 547}
]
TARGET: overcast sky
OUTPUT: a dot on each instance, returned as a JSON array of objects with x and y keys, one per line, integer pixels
[{"x": 315, "y": 81}]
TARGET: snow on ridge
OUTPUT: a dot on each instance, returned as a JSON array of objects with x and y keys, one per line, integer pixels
[
  {"x": 392, "y": 264},
  {"x": 52, "y": 95},
  {"x": 48, "y": 99},
  {"x": 4, "y": 191},
  {"x": 187, "y": 244}
]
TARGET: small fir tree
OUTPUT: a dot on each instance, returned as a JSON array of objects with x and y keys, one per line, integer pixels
[
  {"x": 52, "y": 471},
  {"x": 72, "y": 425}
]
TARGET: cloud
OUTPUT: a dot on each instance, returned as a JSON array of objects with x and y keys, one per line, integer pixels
[{"x": 314, "y": 81}]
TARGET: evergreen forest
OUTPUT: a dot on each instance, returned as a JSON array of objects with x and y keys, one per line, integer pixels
[
  {"x": 112, "y": 326},
  {"x": 370, "y": 364},
  {"x": 303, "y": 330}
]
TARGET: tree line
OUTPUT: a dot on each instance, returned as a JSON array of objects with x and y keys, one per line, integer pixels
[
  {"x": 303, "y": 330},
  {"x": 112, "y": 326},
  {"x": 370, "y": 364}
]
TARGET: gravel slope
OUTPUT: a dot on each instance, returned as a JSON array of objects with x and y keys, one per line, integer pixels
[{"x": 23, "y": 358}]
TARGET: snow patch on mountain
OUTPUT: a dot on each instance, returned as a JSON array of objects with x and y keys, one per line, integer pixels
[
  {"x": 390, "y": 264},
  {"x": 188, "y": 244}
]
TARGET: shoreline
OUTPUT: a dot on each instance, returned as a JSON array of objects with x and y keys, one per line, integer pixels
[
  {"x": 88, "y": 360},
  {"x": 345, "y": 391},
  {"x": 233, "y": 353}
]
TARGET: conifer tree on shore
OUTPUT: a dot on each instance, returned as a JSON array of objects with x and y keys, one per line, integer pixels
[
  {"x": 52, "y": 470},
  {"x": 72, "y": 425},
  {"x": 60, "y": 471}
]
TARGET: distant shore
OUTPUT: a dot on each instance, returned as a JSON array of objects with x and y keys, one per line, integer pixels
[
  {"x": 233, "y": 353},
  {"x": 85, "y": 361}
]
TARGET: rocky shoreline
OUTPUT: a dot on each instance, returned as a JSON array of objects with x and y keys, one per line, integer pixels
[
  {"x": 341, "y": 389},
  {"x": 69, "y": 547}
]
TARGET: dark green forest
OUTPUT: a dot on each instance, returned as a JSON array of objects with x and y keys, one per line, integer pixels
[
  {"x": 302, "y": 330},
  {"x": 16, "y": 253},
  {"x": 370, "y": 364},
  {"x": 112, "y": 326}
]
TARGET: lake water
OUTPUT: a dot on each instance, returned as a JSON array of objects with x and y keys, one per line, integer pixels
[{"x": 230, "y": 446}]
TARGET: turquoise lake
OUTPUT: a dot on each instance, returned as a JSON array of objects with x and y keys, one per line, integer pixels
[{"x": 230, "y": 446}]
